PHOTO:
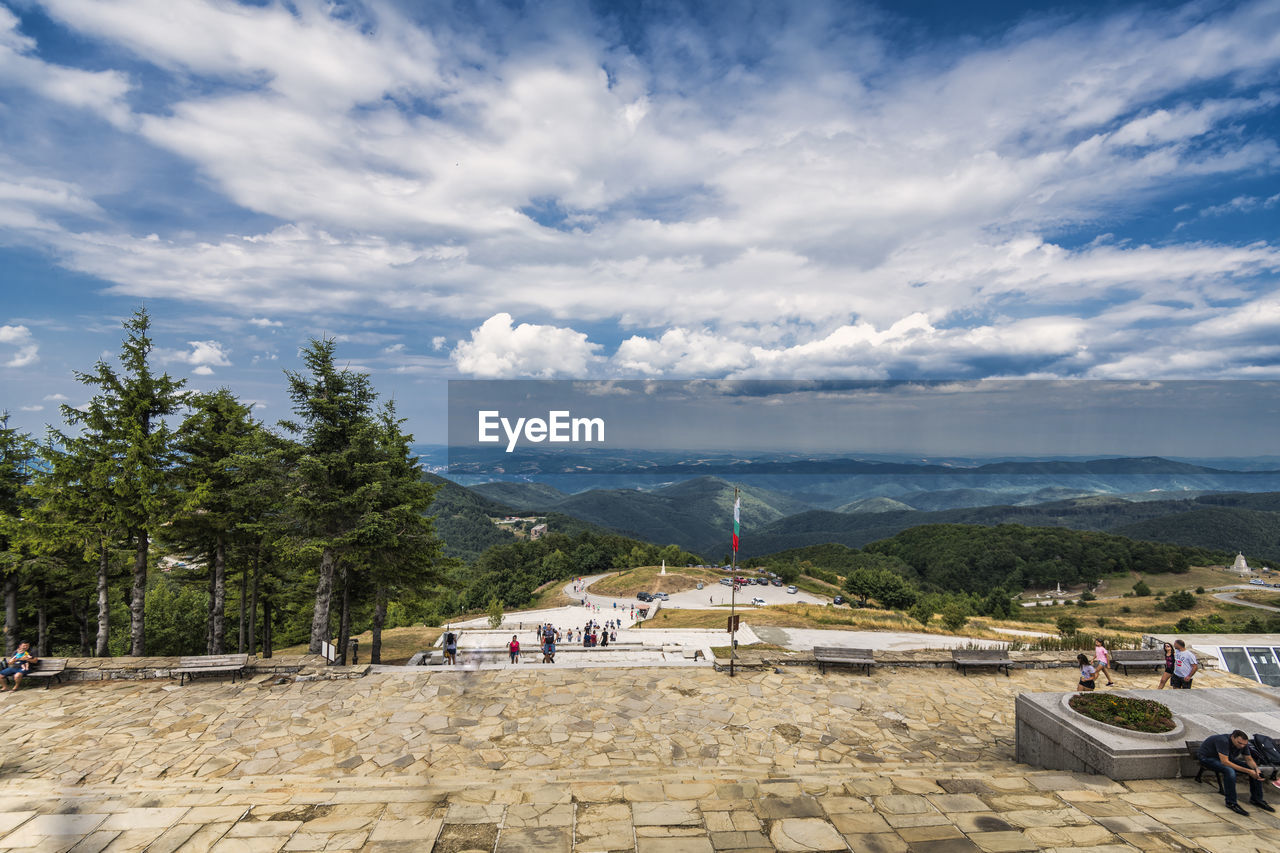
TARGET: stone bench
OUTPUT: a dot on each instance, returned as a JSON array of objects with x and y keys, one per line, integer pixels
[
  {"x": 962, "y": 659},
  {"x": 824, "y": 655},
  {"x": 193, "y": 665},
  {"x": 1126, "y": 658},
  {"x": 48, "y": 668}
]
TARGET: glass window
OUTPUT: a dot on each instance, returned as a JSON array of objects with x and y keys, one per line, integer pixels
[
  {"x": 1266, "y": 665},
  {"x": 1236, "y": 661}
]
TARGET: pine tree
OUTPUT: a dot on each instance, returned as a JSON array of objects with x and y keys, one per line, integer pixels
[
  {"x": 211, "y": 442},
  {"x": 335, "y": 472},
  {"x": 129, "y": 452},
  {"x": 17, "y": 463}
]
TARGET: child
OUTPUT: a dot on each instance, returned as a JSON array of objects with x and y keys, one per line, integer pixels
[
  {"x": 1103, "y": 659},
  {"x": 1087, "y": 673}
]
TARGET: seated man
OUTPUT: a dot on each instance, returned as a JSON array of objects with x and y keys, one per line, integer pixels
[
  {"x": 17, "y": 666},
  {"x": 1227, "y": 754}
]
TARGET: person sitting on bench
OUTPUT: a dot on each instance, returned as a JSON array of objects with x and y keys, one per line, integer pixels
[
  {"x": 17, "y": 666},
  {"x": 1226, "y": 754}
]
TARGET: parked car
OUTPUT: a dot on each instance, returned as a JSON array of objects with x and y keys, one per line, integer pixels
[
  {"x": 662, "y": 596},
  {"x": 839, "y": 599},
  {"x": 757, "y": 601},
  {"x": 644, "y": 596},
  {"x": 699, "y": 584},
  {"x": 792, "y": 589},
  {"x": 1258, "y": 582},
  {"x": 726, "y": 581},
  {"x": 776, "y": 581}
]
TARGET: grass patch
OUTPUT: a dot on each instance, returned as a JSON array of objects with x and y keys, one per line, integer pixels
[
  {"x": 1203, "y": 576},
  {"x": 1137, "y": 715},
  {"x": 627, "y": 583},
  {"x": 1258, "y": 596},
  {"x": 398, "y": 644}
]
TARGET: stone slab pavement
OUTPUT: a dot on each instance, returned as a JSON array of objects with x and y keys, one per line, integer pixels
[{"x": 542, "y": 759}]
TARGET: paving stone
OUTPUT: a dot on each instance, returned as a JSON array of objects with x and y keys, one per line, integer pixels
[
  {"x": 665, "y": 814},
  {"x": 881, "y": 842},
  {"x": 805, "y": 834},
  {"x": 772, "y": 808},
  {"x": 545, "y": 839},
  {"x": 1004, "y": 841},
  {"x": 854, "y": 823},
  {"x": 700, "y": 844},
  {"x": 945, "y": 845}
]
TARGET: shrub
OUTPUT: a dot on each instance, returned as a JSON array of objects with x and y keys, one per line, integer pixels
[
  {"x": 1126, "y": 609},
  {"x": 1180, "y": 600},
  {"x": 1199, "y": 590},
  {"x": 954, "y": 616},
  {"x": 1141, "y": 589},
  {"x": 1088, "y": 596},
  {"x": 1138, "y": 715},
  {"x": 1068, "y": 625}
]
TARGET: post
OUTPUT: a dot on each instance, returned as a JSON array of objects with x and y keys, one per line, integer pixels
[{"x": 733, "y": 588}]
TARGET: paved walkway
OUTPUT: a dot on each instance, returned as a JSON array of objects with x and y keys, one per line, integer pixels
[{"x": 548, "y": 759}]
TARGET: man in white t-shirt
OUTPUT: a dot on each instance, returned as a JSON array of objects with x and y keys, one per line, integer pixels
[{"x": 1185, "y": 666}]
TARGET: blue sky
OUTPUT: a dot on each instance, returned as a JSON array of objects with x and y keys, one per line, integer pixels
[{"x": 637, "y": 190}]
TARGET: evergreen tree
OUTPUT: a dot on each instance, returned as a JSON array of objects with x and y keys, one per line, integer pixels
[
  {"x": 124, "y": 423},
  {"x": 336, "y": 469},
  {"x": 211, "y": 443},
  {"x": 17, "y": 461}
]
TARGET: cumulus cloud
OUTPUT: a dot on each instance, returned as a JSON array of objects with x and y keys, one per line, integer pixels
[
  {"x": 203, "y": 355},
  {"x": 814, "y": 197},
  {"x": 18, "y": 341},
  {"x": 497, "y": 349}
]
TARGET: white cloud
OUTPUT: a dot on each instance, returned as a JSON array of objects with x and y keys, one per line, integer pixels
[
  {"x": 499, "y": 350},
  {"x": 26, "y": 350},
  {"x": 61, "y": 398},
  {"x": 203, "y": 355},
  {"x": 35, "y": 408},
  {"x": 840, "y": 204}
]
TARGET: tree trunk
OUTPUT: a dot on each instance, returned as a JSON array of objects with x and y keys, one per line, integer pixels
[
  {"x": 42, "y": 625},
  {"x": 244, "y": 606},
  {"x": 208, "y": 612},
  {"x": 324, "y": 594},
  {"x": 266, "y": 627},
  {"x": 253, "y": 601},
  {"x": 138, "y": 602},
  {"x": 379, "y": 619},
  {"x": 10, "y": 614},
  {"x": 344, "y": 619},
  {"x": 81, "y": 613},
  {"x": 219, "y": 638},
  {"x": 104, "y": 608}
]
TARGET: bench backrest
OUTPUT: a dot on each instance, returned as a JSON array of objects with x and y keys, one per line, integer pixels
[
  {"x": 1128, "y": 655},
  {"x": 214, "y": 660},
  {"x": 979, "y": 654},
  {"x": 841, "y": 652},
  {"x": 50, "y": 665}
]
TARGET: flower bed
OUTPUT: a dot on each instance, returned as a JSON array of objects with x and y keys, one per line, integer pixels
[{"x": 1138, "y": 715}]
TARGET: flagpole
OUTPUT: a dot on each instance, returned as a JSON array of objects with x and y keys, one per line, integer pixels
[{"x": 733, "y": 594}]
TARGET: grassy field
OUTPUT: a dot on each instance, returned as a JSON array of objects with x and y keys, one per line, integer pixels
[
  {"x": 398, "y": 644},
  {"x": 1260, "y": 596},
  {"x": 626, "y": 583},
  {"x": 1198, "y": 576}
]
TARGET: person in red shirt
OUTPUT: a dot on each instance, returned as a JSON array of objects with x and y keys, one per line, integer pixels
[{"x": 514, "y": 648}]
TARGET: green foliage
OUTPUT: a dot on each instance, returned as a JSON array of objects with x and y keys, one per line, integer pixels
[
  {"x": 176, "y": 618},
  {"x": 954, "y": 616},
  {"x": 1180, "y": 600},
  {"x": 922, "y": 611},
  {"x": 1068, "y": 626},
  {"x": 1088, "y": 596},
  {"x": 1199, "y": 590},
  {"x": 495, "y": 613},
  {"x": 1126, "y": 609},
  {"x": 1141, "y": 589},
  {"x": 890, "y": 589},
  {"x": 1139, "y": 715}
]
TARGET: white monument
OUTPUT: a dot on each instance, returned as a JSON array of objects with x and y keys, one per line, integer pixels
[
  {"x": 1241, "y": 565},
  {"x": 664, "y": 568}
]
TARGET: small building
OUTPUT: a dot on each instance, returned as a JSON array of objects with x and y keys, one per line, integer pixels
[{"x": 538, "y": 531}]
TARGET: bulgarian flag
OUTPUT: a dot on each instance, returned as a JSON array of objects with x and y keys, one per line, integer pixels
[{"x": 737, "y": 512}]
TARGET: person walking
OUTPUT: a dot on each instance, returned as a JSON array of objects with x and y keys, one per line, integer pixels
[
  {"x": 1168, "y": 666},
  {"x": 1087, "y": 673},
  {"x": 513, "y": 648},
  {"x": 1185, "y": 666},
  {"x": 1102, "y": 658}
]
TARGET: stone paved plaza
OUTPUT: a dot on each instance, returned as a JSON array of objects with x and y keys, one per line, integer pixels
[{"x": 662, "y": 760}]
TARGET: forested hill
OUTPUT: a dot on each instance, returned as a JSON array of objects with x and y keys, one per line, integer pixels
[
  {"x": 973, "y": 558},
  {"x": 1227, "y": 522}
]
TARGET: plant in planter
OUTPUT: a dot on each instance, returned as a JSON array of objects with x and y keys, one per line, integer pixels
[{"x": 1138, "y": 715}]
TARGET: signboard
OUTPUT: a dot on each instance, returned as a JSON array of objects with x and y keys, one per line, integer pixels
[{"x": 732, "y": 624}]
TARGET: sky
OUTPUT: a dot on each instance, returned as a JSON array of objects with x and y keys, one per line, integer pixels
[{"x": 649, "y": 190}]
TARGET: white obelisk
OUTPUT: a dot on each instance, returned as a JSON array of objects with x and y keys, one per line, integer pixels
[{"x": 664, "y": 568}]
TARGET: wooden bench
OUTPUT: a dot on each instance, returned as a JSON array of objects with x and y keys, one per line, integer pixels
[
  {"x": 1193, "y": 749},
  {"x": 191, "y": 666},
  {"x": 961, "y": 659},
  {"x": 47, "y": 668},
  {"x": 824, "y": 655},
  {"x": 1126, "y": 658}
]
